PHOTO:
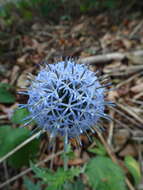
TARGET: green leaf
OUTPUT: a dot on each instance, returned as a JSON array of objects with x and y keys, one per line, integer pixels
[
  {"x": 3, "y": 13},
  {"x": 103, "y": 174},
  {"x": 55, "y": 180},
  {"x": 77, "y": 185},
  {"x": 6, "y": 95},
  {"x": 99, "y": 149},
  {"x": 111, "y": 4},
  {"x": 11, "y": 138},
  {"x": 4, "y": 130},
  {"x": 27, "y": 15},
  {"x": 22, "y": 5},
  {"x": 19, "y": 115},
  {"x": 30, "y": 185},
  {"x": 133, "y": 168}
]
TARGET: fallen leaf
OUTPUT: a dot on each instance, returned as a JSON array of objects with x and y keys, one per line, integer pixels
[
  {"x": 137, "y": 88},
  {"x": 22, "y": 59},
  {"x": 121, "y": 137},
  {"x": 136, "y": 59},
  {"x": 128, "y": 150},
  {"x": 22, "y": 81}
]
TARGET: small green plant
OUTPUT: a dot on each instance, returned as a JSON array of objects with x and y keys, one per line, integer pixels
[
  {"x": 55, "y": 180},
  {"x": 101, "y": 172}
]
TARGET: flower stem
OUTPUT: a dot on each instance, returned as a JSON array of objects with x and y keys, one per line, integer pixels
[
  {"x": 65, "y": 161},
  {"x": 66, "y": 152}
]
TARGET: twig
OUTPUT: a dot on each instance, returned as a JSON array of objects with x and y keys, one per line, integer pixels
[
  {"x": 30, "y": 169},
  {"x": 135, "y": 101},
  {"x": 113, "y": 157},
  {"x": 120, "y": 122},
  {"x": 138, "y": 96},
  {"x": 127, "y": 117},
  {"x": 109, "y": 57},
  {"x": 3, "y": 116},
  {"x": 112, "y": 113},
  {"x": 127, "y": 80},
  {"x": 130, "y": 112},
  {"x": 6, "y": 173},
  {"x": 20, "y": 146},
  {"x": 136, "y": 29},
  {"x": 124, "y": 72}
]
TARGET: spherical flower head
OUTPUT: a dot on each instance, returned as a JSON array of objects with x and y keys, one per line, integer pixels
[{"x": 66, "y": 98}]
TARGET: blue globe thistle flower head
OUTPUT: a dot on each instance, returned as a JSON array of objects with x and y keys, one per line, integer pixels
[{"x": 66, "y": 99}]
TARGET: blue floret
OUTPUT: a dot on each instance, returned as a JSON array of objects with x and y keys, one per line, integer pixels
[{"x": 66, "y": 99}]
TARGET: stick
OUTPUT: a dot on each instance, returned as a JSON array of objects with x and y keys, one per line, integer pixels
[
  {"x": 109, "y": 57},
  {"x": 136, "y": 29},
  {"x": 111, "y": 128},
  {"x": 130, "y": 112},
  {"x": 6, "y": 174}
]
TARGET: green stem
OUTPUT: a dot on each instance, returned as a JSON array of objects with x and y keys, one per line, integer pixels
[
  {"x": 65, "y": 161},
  {"x": 66, "y": 152}
]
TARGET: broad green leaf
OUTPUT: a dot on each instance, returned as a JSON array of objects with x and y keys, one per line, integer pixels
[
  {"x": 133, "y": 168},
  {"x": 4, "y": 130},
  {"x": 19, "y": 115},
  {"x": 103, "y": 174},
  {"x": 11, "y": 138},
  {"x": 6, "y": 95}
]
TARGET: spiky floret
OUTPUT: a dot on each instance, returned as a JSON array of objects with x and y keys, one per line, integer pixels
[{"x": 66, "y": 98}]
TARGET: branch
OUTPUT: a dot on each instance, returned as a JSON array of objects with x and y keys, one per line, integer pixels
[{"x": 109, "y": 57}]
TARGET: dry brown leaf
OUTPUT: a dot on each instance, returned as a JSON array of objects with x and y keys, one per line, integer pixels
[
  {"x": 137, "y": 88},
  {"x": 113, "y": 66},
  {"x": 136, "y": 59},
  {"x": 121, "y": 137},
  {"x": 79, "y": 28},
  {"x": 76, "y": 161},
  {"x": 22, "y": 80},
  {"x": 123, "y": 90},
  {"x": 106, "y": 40},
  {"x": 127, "y": 43},
  {"x": 128, "y": 150},
  {"x": 14, "y": 74},
  {"x": 23, "y": 58},
  {"x": 112, "y": 95},
  {"x": 8, "y": 111}
]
